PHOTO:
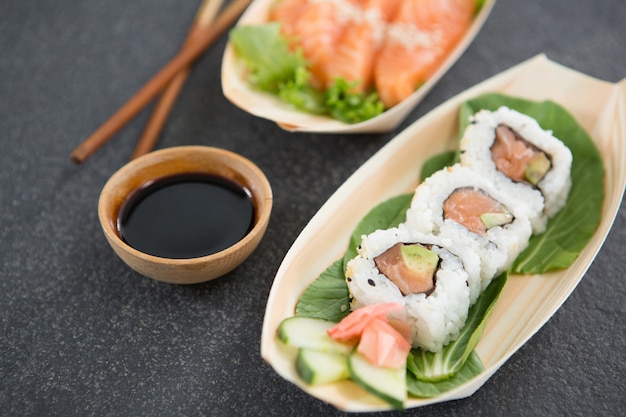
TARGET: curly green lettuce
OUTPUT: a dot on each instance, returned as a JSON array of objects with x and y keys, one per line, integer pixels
[{"x": 275, "y": 67}]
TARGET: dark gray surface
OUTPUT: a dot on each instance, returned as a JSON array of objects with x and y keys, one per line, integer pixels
[{"x": 81, "y": 334}]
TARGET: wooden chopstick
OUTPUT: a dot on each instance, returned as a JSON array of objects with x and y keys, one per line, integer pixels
[
  {"x": 205, "y": 15},
  {"x": 202, "y": 39}
]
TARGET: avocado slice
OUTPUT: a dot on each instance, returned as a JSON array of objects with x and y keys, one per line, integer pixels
[
  {"x": 420, "y": 260},
  {"x": 496, "y": 219},
  {"x": 537, "y": 168}
]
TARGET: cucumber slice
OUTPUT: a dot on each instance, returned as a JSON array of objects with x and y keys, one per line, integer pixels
[
  {"x": 388, "y": 384},
  {"x": 316, "y": 367},
  {"x": 311, "y": 333}
]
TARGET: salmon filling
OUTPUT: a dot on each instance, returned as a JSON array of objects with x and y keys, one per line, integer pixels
[
  {"x": 518, "y": 159},
  {"x": 475, "y": 210},
  {"x": 411, "y": 267}
]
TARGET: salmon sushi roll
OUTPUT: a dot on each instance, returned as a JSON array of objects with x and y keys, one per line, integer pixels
[
  {"x": 520, "y": 157},
  {"x": 419, "y": 272},
  {"x": 457, "y": 203}
]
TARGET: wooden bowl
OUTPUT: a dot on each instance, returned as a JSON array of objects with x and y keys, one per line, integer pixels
[{"x": 182, "y": 160}]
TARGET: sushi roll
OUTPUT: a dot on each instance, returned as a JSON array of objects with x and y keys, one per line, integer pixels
[
  {"x": 458, "y": 204},
  {"x": 433, "y": 283},
  {"x": 520, "y": 157}
]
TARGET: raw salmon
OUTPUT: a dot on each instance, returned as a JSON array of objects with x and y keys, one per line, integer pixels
[
  {"x": 318, "y": 31},
  {"x": 422, "y": 34},
  {"x": 358, "y": 45},
  {"x": 392, "y": 46},
  {"x": 385, "y": 8},
  {"x": 287, "y": 12},
  {"x": 517, "y": 158},
  {"x": 390, "y": 263},
  {"x": 467, "y": 206},
  {"x": 353, "y": 58}
]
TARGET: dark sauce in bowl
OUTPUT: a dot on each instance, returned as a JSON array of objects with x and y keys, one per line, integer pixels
[{"x": 186, "y": 216}]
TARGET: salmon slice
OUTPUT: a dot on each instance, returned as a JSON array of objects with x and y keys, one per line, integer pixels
[
  {"x": 359, "y": 43},
  {"x": 422, "y": 34},
  {"x": 385, "y": 8},
  {"x": 318, "y": 30},
  {"x": 516, "y": 158},
  {"x": 353, "y": 58},
  {"x": 409, "y": 281},
  {"x": 468, "y": 207},
  {"x": 287, "y": 12}
]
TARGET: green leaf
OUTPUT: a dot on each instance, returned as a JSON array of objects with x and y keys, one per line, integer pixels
[
  {"x": 571, "y": 229},
  {"x": 299, "y": 93},
  {"x": 327, "y": 297},
  {"x": 349, "y": 106},
  {"x": 266, "y": 54},
  {"x": 275, "y": 67},
  {"x": 389, "y": 213},
  {"x": 472, "y": 367},
  {"x": 478, "y": 5},
  {"x": 437, "y": 162},
  {"x": 433, "y": 367}
]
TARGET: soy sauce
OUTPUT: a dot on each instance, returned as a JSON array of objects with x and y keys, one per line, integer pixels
[{"x": 186, "y": 216}]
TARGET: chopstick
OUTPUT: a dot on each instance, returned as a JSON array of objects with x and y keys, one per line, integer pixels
[
  {"x": 202, "y": 39},
  {"x": 205, "y": 15}
]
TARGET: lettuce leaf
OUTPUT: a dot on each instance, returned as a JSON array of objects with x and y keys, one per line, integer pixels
[
  {"x": 267, "y": 56},
  {"x": 274, "y": 65},
  {"x": 300, "y": 94},
  {"x": 350, "y": 107}
]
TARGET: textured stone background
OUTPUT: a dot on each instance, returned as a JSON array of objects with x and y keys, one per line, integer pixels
[{"x": 81, "y": 334}]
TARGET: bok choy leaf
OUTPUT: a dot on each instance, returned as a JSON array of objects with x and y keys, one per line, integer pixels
[{"x": 442, "y": 365}]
